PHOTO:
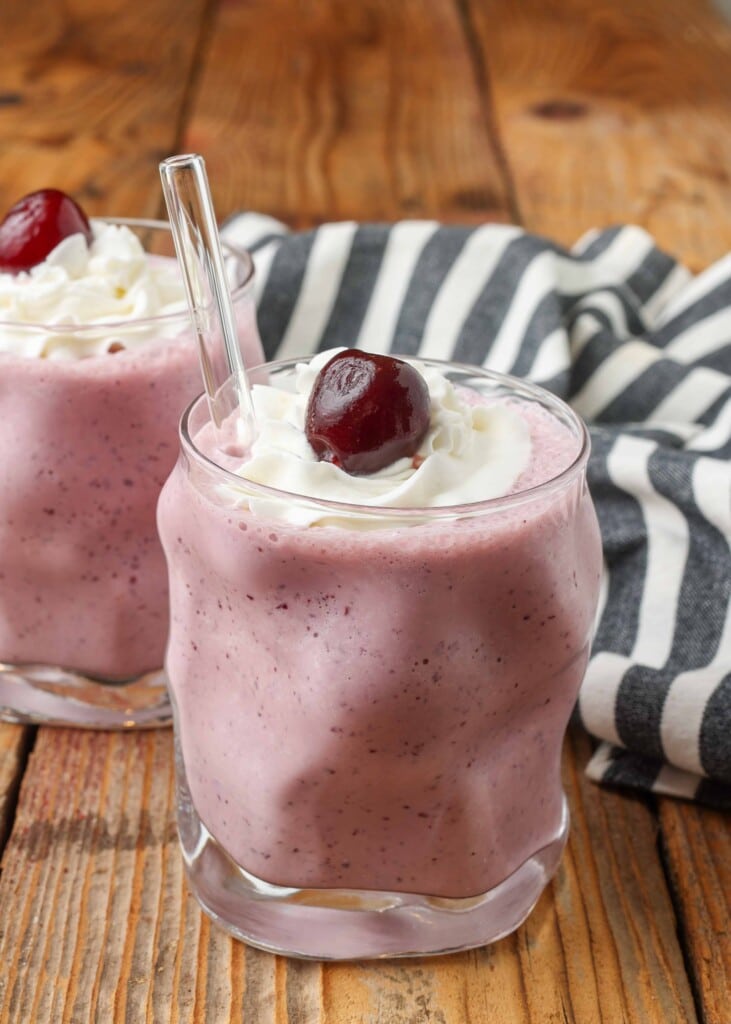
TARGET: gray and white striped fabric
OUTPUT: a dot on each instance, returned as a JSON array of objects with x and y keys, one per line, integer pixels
[{"x": 642, "y": 350}]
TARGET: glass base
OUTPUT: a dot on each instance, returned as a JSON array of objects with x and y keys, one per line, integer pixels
[
  {"x": 46, "y": 695},
  {"x": 348, "y": 924}
]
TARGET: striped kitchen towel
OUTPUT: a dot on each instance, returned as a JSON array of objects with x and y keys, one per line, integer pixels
[{"x": 642, "y": 350}]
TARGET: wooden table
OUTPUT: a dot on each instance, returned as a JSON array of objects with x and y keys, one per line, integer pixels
[{"x": 558, "y": 115}]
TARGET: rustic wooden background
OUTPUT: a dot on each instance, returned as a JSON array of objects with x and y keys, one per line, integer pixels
[{"x": 558, "y": 115}]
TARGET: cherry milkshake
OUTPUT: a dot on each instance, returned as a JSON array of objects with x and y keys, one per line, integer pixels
[
  {"x": 373, "y": 663},
  {"x": 97, "y": 360}
]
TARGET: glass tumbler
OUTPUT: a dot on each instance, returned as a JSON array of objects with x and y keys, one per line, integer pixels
[
  {"x": 85, "y": 446},
  {"x": 369, "y": 703}
]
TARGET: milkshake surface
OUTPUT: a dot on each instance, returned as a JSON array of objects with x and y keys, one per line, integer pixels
[
  {"x": 378, "y": 701},
  {"x": 97, "y": 361}
]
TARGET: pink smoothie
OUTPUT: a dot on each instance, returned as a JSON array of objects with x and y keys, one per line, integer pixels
[
  {"x": 381, "y": 709},
  {"x": 85, "y": 446}
]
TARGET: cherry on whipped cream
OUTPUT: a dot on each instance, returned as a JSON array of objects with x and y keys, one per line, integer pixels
[
  {"x": 366, "y": 411},
  {"x": 34, "y": 226}
]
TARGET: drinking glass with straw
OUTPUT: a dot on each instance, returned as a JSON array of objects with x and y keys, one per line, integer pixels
[{"x": 198, "y": 247}]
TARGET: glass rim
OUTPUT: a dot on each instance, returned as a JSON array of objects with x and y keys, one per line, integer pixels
[
  {"x": 183, "y": 314},
  {"x": 427, "y": 513}
]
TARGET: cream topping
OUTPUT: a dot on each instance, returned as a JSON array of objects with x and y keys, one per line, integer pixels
[
  {"x": 111, "y": 281},
  {"x": 472, "y": 452}
]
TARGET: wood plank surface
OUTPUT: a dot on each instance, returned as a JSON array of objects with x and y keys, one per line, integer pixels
[
  {"x": 14, "y": 741},
  {"x": 697, "y": 847},
  {"x": 91, "y": 98},
  {"x": 91, "y": 845},
  {"x": 329, "y": 110},
  {"x": 614, "y": 112},
  {"x": 96, "y": 922},
  {"x": 314, "y": 111}
]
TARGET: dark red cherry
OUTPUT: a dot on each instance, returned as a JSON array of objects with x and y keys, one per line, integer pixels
[
  {"x": 365, "y": 411},
  {"x": 35, "y": 225}
]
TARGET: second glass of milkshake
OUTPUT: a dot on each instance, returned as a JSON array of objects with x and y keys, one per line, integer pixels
[
  {"x": 372, "y": 674},
  {"x": 97, "y": 361}
]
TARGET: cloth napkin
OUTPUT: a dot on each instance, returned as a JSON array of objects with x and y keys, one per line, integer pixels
[{"x": 642, "y": 350}]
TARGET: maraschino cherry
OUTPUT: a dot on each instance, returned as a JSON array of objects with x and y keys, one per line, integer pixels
[
  {"x": 365, "y": 411},
  {"x": 35, "y": 225}
]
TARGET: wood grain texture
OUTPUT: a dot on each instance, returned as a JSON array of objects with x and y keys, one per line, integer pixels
[
  {"x": 95, "y": 920},
  {"x": 14, "y": 741},
  {"x": 91, "y": 98},
  {"x": 614, "y": 112},
  {"x": 697, "y": 848},
  {"x": 96, "y": 923},
  {"x": 326, "y": 109}
]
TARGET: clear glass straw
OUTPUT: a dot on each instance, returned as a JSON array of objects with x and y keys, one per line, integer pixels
[{"x": 198, "y": 247}]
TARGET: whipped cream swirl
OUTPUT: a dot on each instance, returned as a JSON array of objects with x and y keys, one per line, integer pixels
[
  {"x": 112, "y": 281},
  {"x": 472, "y": 451}
]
